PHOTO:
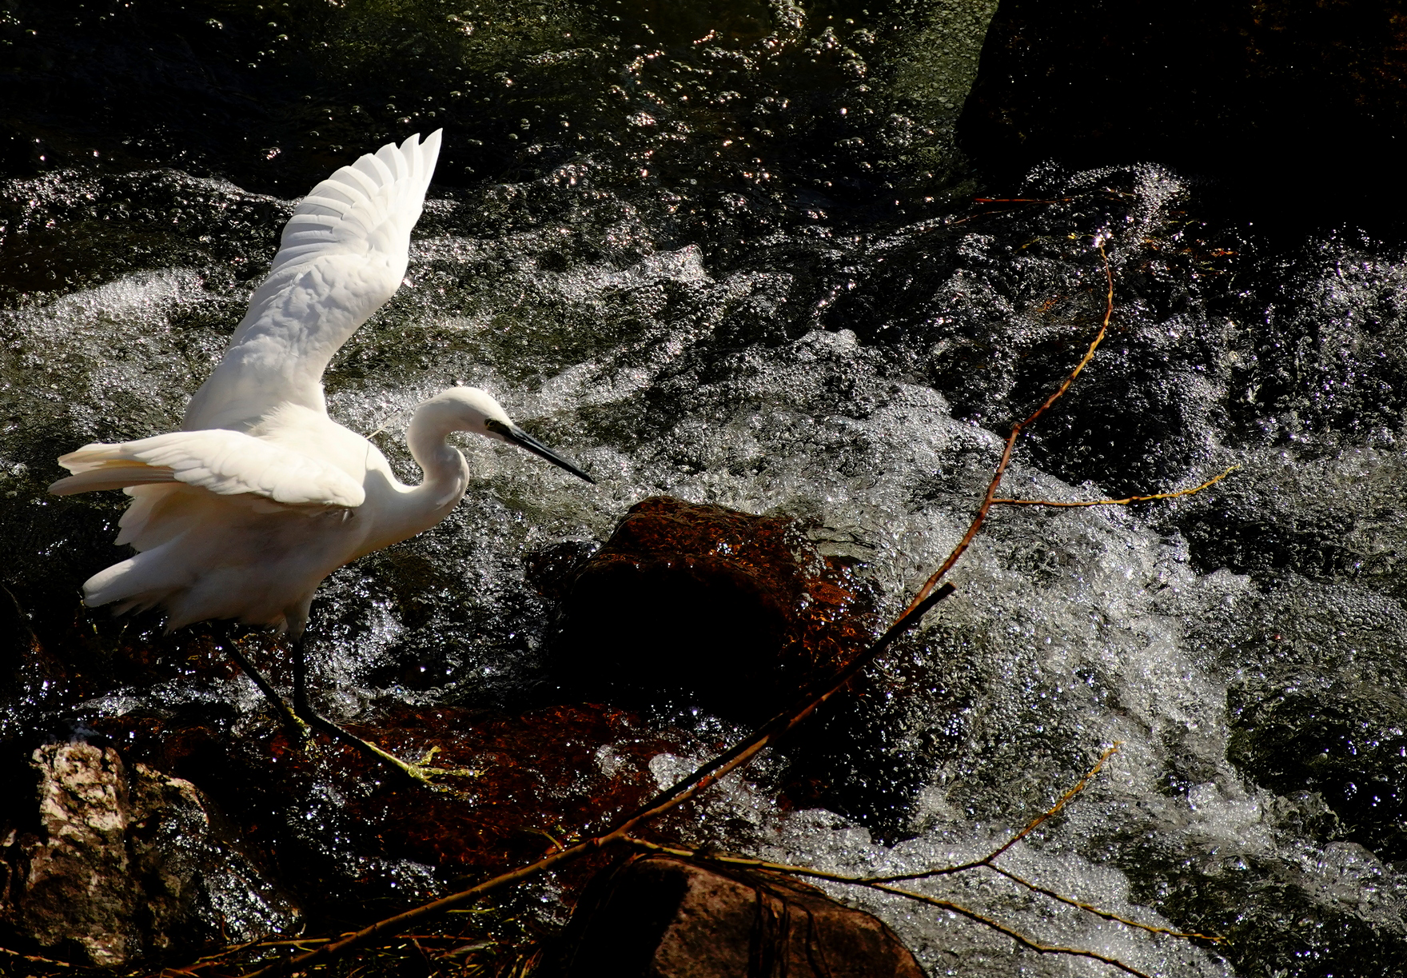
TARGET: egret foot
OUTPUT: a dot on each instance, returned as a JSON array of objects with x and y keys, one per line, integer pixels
[
  {"x": 453, "y": 772},
  {"x": 302, "y": 720},
  {"x": 416, "y": 772}
]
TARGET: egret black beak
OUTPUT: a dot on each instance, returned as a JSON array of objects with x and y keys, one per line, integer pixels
[{"x": 514, "y": 435}]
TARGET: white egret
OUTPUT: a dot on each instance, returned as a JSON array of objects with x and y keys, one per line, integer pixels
[{"x": 244, "y": 511}]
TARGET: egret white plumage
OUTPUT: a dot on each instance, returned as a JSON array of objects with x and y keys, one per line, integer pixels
[{"x": 260, "y": 495}]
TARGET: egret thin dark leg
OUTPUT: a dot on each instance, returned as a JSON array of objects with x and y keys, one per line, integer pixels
[
  {"x": 300, "y": 677},
  {"x": 305, "y": 712},
  {"x": 272, "y": 695}
]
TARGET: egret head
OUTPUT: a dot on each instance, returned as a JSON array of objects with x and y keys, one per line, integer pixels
[{"x": 474, "y": 409}]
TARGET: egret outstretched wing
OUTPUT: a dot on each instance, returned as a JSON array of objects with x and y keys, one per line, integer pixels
[
  {"x": 224, "y": 462},
  {"x": 343, "y": 253}
]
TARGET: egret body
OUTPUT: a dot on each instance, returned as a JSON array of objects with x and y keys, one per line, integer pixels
[{"x": 244, "y": 511}]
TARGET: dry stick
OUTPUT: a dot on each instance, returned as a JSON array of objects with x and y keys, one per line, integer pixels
[
  {"x": 1001, "y": 928},
  {"x": 1050, "y": 812},
  {"x": 36, "y": 959},
  {"x": 1016, "y": 430},
  {"x": 725, "y": 763},
  {"x": 988, "y": 862},
  {"x": 224, "y": 954},
  {"x": 877, "y": 883},
  {"x": 1118, "y": 502},
  {"x": 1022, "y": 200}
]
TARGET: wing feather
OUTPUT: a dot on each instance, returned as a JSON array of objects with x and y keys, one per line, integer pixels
[
  {"x": 343, "y": 253},
  {"x": 350, "y": 176},
  {"x": 221, "y": 461}
]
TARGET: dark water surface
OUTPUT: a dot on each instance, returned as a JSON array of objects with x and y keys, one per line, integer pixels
[{"x": 730, "y": 252}]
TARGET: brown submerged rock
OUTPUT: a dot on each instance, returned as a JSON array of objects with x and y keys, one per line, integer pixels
[
  {"x": 344, "y": 833},
  {"x": 734, "y": 609},
  {"x": 520, "y": 779},
  {"x": 663, "y": 917}
]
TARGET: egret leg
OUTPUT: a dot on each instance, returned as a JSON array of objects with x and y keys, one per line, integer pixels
[
  {"x": 306, "y": 714},
  {"x": 289, "y": 716}
]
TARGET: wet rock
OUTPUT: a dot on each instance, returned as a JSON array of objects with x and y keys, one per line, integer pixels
[
  {"x": 76, "y": 888},
  {"x": 120, "y": 863},
  {"x": 701, "y": 601},
  {"x": 668, "y": 918},
  {"x": 1300, "y": 105},
  {"x": 737, "y": 613},
  {"x": 1343, "y": 742},
  {"x": 345, "y": 833},
  {"x": 518, "y": 779}
]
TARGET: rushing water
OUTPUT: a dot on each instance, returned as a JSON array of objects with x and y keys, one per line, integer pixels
[{"x": 731, "y": 254}]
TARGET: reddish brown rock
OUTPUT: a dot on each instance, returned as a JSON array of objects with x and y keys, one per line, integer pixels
[
  {"x": 512, "y": 783},
  {"x": 520, "y": 779},
  {"x": 734, "y": 609},
  {"x": 661, "y": 917}
]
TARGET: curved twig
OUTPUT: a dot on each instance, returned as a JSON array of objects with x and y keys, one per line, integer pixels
[
  {"x": 1105, "y": 914},
  {"x": 884, "y": 884}
]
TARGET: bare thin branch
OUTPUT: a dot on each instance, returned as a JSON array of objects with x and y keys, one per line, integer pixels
[
  {"x": 1016, "y": 430},
  {"x": 1105, "y": 914},
  {"x": 1064, "y": 800},
  {"x": 1017, "y": 837},
  {"x": 959, "y": 909},
  {"x": 1117, "y": 502},
  {"x": 986, "y": 862},
  {"x": 1022, "y": 200},
  {"x": 35, "y": 958},
  {"x": 1015, "y": 935}
]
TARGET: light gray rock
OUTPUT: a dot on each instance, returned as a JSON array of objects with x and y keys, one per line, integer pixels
[{"x": 121, "y": 864}]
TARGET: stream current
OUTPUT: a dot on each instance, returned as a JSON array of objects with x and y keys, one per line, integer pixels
[{"x": 734, "y": 256}]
